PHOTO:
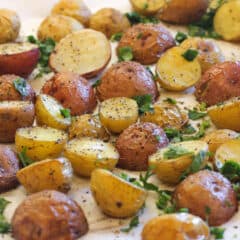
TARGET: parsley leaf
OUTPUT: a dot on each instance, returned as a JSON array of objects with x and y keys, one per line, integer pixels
[
  {"x": 4, "y": 225},
  {"x": 164, "y": 202},
  {"x": 188, "y": 129},
  {"x": 97, "y": 83},
  {"x": 65, "y": 112},
  {"x": 20, "y": 85},
  {"x": 180, "y": 37},
  {"x": 171, "y": 101},
  {"x": 217, "y": 232},
  {"x": 132, "y": 180},
  {"x": 144, "y": 181},
  {"x": 231, "y": 170},
  {"x": 116, "y": 37},
  {"x": 136, "y": 18},
  {"x": 3, "y": 204},
  {"x": 25, "y": 160},
  {"x": 195, "y": 115},
  {"x": 133, "y": 223},
  {"x": 190, "y": 54},
  {"x": 144, "y": 103},
  {"x": 125, "y": 54},
  {"x": 175, "y": 152}
]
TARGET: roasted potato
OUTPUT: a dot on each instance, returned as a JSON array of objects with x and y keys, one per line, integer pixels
[
  {"x": 40, "y": 142},
  {"x": 73, "y": 8},
  {"x": 57, "y": 27},
  {"x": 228, "y": 151},
  {"x": 14, "y": 115},
  {"x": 72, "y": 91},
  {"x": 137, "y": 143},
  {"x": 183, "y": 11},
  {"x": 87, "y": 125},
  {"x": 18, "y": 58},
  {"x": 227, "y": 21},
  {"x": 128, "y": 79},
  {"x": 147, "y": 42},
  {"x": 166, "y": 115},
  {"x": 49, "y": 174},
  {"x": 115, "y": 196},
  {"x": 48, "y": 215},
  {"x": 209, "y": 195},
  {"x": 109, "y": 21},
  {"x": 86, "y": 154},
  {"x": 9, "y": 166},
  {"x": 175, "y": 73},
  {"x": 176, "y": 227},
  {"x": 209, "y": 53},
  {"x": 226, "y": 115},
  {"x": 170, "y": 169},
  {"x": 9, "y": 89},
  {"x": 218, "y": 137},
  {"x": 116, "y": 114},
  {"x": 86, "y": 52},
  {"x": 220, "y": 83},
  {"x": 9, "y": 25},
  {"x": 48, "y": 112}
]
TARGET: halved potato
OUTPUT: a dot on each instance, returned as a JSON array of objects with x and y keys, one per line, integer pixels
[
  {"x": 87, "y": 125},
  {"x": 18, "y": 58},
  {"x": 14, "y": 115},
  {"x": 175, "y": 72},
  {"x": 49, "y": 174},
  {"x": 116, "y": 114},
  {"x": 115, "y": 196},
  {"x": 40, "y": 142},
  {"x": 229, "y": 151},
  {"x": 166, "y": 115},
  {"x": 176, "y": 227},
  {"x": 171, "y": 170},
  {"x": 226, "y": 115},
  {"x": 227, "y": 21},
  {"x": 86, "y": 52},
  {"x": 48, "y": 112},
  {"x": 86, "y": 154}
]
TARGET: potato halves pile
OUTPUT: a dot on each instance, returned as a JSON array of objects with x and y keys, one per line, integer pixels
[{"x": 97, "y": 122}]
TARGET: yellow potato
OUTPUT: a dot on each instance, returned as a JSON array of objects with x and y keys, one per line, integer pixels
[
  {"x": 40, "y": 142},
  {"x": 73, "y": 8},
  {"x": 116, "y": 114},
  {"x": 115, "y": 196},
  {"x": 175, "y": 72},
  {"x": 171, "y": 170},
  {"x": 50, "y": 174},
  {"x": 226, "y": 115},
  {"x": 227, "y": 21},
  {"x": 87, "y": 125},
  {"x": 48, "y": 112},
  {"x": 227, "y": 151},
  {"x": 176, "y": 227},
  {"x": 87, "y": 154},
  {"x": 166, "y": 115}
]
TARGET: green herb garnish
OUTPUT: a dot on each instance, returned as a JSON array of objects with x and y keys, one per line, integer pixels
[
  {"x": 136, "y": 18},
  {"x": 133, "y": 223},
  {"x": 4, "y": 225},
  {"x": 25, "y": 160},
  {"x": 3, "y": 204},
  {"x": 175, "y": 152},
  {"x": 97, "y": 83},
  {"x": 171, "y": 101},
  {"x": 116, "y": 37},
  {"x": 65, "y": 112},
  {"x": 195, "y": 115},
  {"x": 231, "y": 170},
  {"x": 144, "y": 103},
  {"x": 125, "y": 54},
  {"x": 21, "y": 86},
  {"x": 144, "y": 180},
  {"x": 164, "y": 202},
  {"x": 154, "y": 76},
  {"x": 190, "y": 54},
  {"x": 129, "y": 179},
  {"x": 217, "y": 232},
  {"x": 180, "y": 37},
  {"x": 188, "y": 129},
  {"x": 145, "y": 5}
]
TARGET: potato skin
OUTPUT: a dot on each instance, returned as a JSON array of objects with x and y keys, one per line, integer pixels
[
  {"x": 109, "y": 21},
  {"x": 128, "y": 79},
  {"x": 9, "y": 167},
  {"x": 183, "y": 11},
  {"x": 9, "y": 93},
  {"x": 137, "y": 143},
  {"x": 48, "y": 215},
  {"x": 207, "y": 189},
  {"x": 220, "y": 83},
  {"x": 148, "y": 42},
  {"x": 72, "y": 91}
]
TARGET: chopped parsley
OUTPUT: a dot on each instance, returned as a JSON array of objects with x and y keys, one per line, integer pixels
[
  {"x": 217, "y": 232},
  {"x": 97, "y": 83},
  {"x": 175, "y": 152},
  {"x": 180, "y": 37},
  {"x": 195, "y": 115},
  {"x": 144, "y": 103},
  {"x": 25, "y": 160},
  {"x": 133, "y": 223},
  {"x": 125, "y": 54},
  {"x": 188, "y": 129},
  {"x": 129, "y": 179},
  {"x": 3, "y": 204},
  {"x": 171, "y": 101},
  {"x": 65, "y": 112},
  {"x": 135, "y": 18},
  {"x": 5, "y": 227},
  {"x": 20, "y": 85},
  {"x": 231, "y": 170},
  {"x": 164, "y": 202},
  {"x": 116, "y": 37},
  {"x": 144, "y": 180},
  {"x": 190, "y": 54}
]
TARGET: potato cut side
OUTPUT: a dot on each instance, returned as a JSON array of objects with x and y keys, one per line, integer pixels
[
  {"x": 175, "y": 72},
  {"x": 229, "y": 151},
  {"x": 171, "y": 170},
  {"x": 115, "y": 196},
  {"x": 116, "y": 114},
  {"x": 15, "y": 48},
  {"x": 48, "y": 112},
  {"x": 85, "y": 52},
  {"x": 40, "y": 142},
  {"x": 50, "y": 174},
  {"x": 86, "y": 154},
  {"x": 227, "y": 21},
  {"x": 226, "y": 115}
]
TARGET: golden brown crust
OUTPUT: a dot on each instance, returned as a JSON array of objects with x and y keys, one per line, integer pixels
[
  {"x": 220, "y": 83},
  {"x": 72, "y": 91},
  {"x": 9, "y": 93},
  {"x": 48, "y": 215},
  {"x": 209, "y": 195},
  {"x": 126, "y": 79},
  {"x": 137, "y": 143},
  {"x": 148, "y": 42}
]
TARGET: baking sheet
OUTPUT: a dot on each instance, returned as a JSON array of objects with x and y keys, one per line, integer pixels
[{"x": 102, "y": 227}]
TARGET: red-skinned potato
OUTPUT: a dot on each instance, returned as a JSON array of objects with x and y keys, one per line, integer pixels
[
  {"x": 72, "y": 91},
  {"x": 18, "y": 58}
]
